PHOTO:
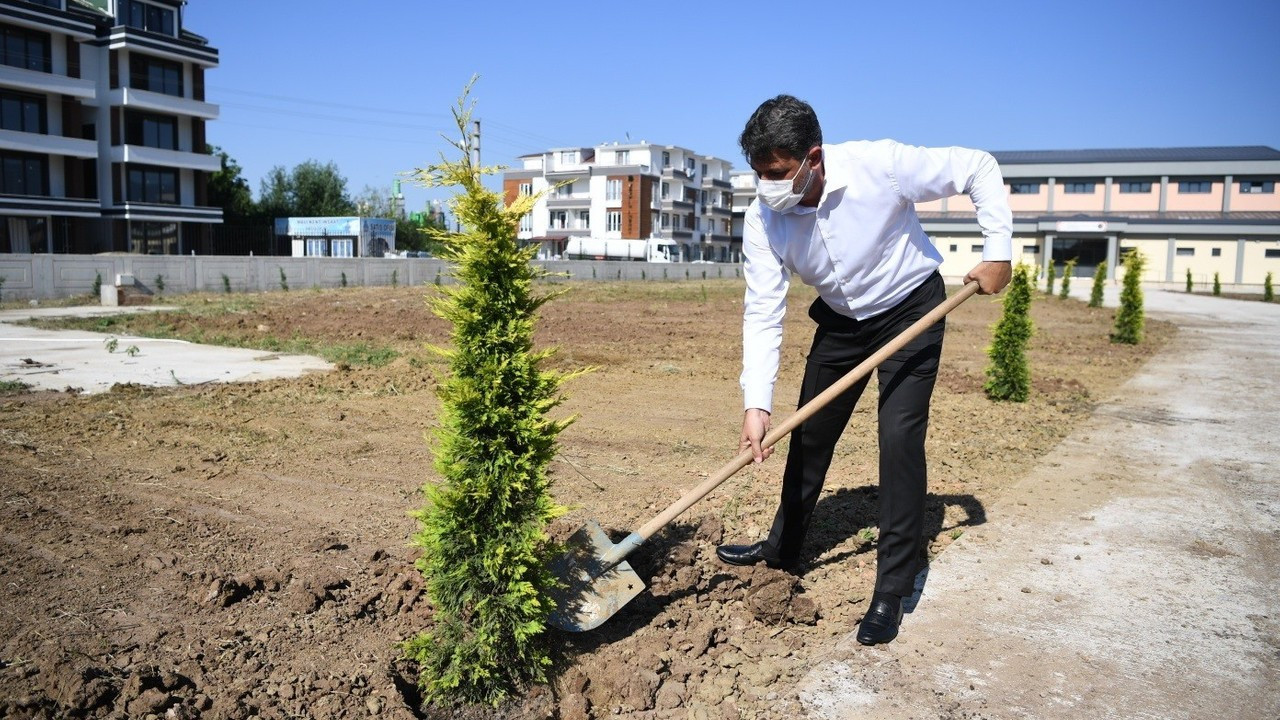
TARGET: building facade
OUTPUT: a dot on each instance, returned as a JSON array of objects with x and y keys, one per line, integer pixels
[
  {"x": 635, "y": 191},
  {"x": 1205, "y": 210},
  {"x": 102, "y": 128}
]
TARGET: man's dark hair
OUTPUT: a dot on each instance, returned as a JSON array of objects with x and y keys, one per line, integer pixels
[{"x": 786, "y": 123}]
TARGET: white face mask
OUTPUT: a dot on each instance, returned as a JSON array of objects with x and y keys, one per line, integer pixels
[{"x": 779, "y": 194}]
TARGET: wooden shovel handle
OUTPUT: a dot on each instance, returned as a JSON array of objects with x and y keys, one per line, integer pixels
[{"x": 864, "y": 368}]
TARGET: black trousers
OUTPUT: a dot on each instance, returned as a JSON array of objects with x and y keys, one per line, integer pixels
[{"x": 906, "y": 386}]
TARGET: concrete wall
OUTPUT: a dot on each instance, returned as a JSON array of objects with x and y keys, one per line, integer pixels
[{"x": 44, "y": 276}]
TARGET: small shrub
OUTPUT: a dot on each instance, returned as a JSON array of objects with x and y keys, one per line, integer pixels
[
  {"x": 226, "y": 284},
  {"x": 1130, "y": 318},
  {"x": 344, "y": 279},
  {"x": 132, "y": 351},
  {"x": 1268, "y": 293},
  {"x": 284, "y": 280},
  {"x": 112, "y": 344},
  {"x": 1067, "y": 272},
  {"x": 1, "y": 287},
  {"x": 1099, "y": 277},
  {"x": 1217, "y": 285},
  {"x": 159, "y": 284},
  {"x": 97, "y": 284},
  {"x": 395, "y": 278},
  {"x": 1009, "y": 373},
  {"x": 1050, "y": 275},
  {"x": 1189, "y": 280}
]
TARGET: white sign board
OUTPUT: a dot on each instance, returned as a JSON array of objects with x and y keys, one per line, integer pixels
[{"x": 1091, "y": 226}]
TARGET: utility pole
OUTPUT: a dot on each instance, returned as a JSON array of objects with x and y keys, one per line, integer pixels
[{"x": 475, "y": 143}]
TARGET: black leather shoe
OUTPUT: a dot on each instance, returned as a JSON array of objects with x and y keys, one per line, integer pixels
[
  {"x": 880, "y": 624},
  {"x": 752, "y": 554}
]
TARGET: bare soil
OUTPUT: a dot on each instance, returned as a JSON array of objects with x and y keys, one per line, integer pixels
[{"x": 235, "y": 551}]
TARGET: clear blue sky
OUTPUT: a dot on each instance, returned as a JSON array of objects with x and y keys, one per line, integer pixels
[{"x": 368, "y": 85}]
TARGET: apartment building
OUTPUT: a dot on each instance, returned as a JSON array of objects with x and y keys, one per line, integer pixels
[
  {"x": 1204, "y": 209},
  {"x": 631, "y": 191},
  {"x": 102, "y": 128}
]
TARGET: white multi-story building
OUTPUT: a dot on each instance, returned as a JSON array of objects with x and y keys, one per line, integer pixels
[
  {"x": 102, "y": 128},
  {"x": 628, "y": 191}
]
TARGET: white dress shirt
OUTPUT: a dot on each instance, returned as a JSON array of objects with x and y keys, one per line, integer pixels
[{"x": 862, "y": 247}]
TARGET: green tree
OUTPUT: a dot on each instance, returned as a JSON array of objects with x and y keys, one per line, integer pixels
[
  {"x": 1188, "y": 279},
  {"x": 311, "y": 189},
  {"x": 1217, "y": 285},
  {"x": 482, "y": 532},
  {"x": 1050, "y": 275},
  {"x": 1099, "y": 277},
  {"x": 1009, "y": 374},
  {"x": 1268, "y": 293},
  {"x": 1130, "y": 318},
  {"x": 1067, "y": 272},
  {"x": 229, "y": 190}
]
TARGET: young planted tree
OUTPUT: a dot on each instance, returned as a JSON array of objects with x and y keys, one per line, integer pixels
[
  {"x": 1050, "y": 274},
  {"x": 1268, "y": 293},
  {"x": 1130, "y": 317},
  {"x": 1099, "y": 277},
  {"x": 1217, "y": 285},
  {"x": 1188, "y": 279},
  {"x": 482, "y": 532},
  {"x": 1067, "y": 272},
  {"x": 1009, "y": 374}
]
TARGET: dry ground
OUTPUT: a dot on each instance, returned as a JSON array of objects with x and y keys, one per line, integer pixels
[{"x": 234, "y": 551}]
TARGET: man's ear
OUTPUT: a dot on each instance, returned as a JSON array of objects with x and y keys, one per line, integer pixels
[{"x": 815, "y": 156}]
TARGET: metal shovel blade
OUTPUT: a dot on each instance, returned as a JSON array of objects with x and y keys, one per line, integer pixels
[{"x": 592, "y": 590}]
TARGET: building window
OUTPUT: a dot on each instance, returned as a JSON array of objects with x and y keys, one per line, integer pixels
[
  {"x": 952, "y": 247},
  {"x": 1135, "y": 187},
  {"x": 565, "y": 190},
  {"x": 526, "y": 188},
  {"x": 158, "y": 238},
  {"x": 1186, "y": 252},
  {"x": 1216, "y": 252},
  {"x": 1256, "y": 187},
  {"x": 1024, "y": 188},
  {"x": 24, "y": 174},
  {"x": 622, "y": 157},
  {"x": 23, "y": 48},
  {"x": 55, "y": 4},
  {"x": 689, "y": 164},
  {"x": 613, "y": 190},
  {"x": 613, "y": 221},
  {"x": 666, "y": 191},
  {"x": 569, "y": 157},
  {"x": 1030, "y": 249},
  {"x": 157, "y": 131},
  {"x": 526, "y": 223},
  {"x": 666, "y": 159},
  {"x": 1078, "y": 188},
  {"x": 146, "y": 16},
  {"x": 559, "y": 219},
  {"x": 1195, "y": 187},
  {"x": 153, "y": 185},
  {"x": 704, "y": 169},
  {"x": 584, "y": 220},
  {"x": 1272, "y": 253},
  {"x": 975, "y": 248},
  {"x": 156, "y": 75},
  {"x": 23, "y": 113},
  {"x": 666, "y": 221}
]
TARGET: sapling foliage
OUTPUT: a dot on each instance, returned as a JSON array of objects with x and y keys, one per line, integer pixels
[
  {"x": 1217, "y": 285},
  {"x": 1099, "y": 277},
  {"x": 1130, "y": 318},
  {"x": 482, "y": 531},
  {"x": 1009, "y": 373},
  {"x": 1268, "y": 292},
  {"x": 1050, "y": 274},
  {"x": 1067, "y": 272}
]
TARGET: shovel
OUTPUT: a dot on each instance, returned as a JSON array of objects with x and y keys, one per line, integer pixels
[{"x": 596, "y": 578}]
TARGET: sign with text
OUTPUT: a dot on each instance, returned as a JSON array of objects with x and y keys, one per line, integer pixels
[{"x": 1093, "y": 226}]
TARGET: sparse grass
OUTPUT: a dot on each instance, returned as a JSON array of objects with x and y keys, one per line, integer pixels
[{"x": 9, "y": 386}]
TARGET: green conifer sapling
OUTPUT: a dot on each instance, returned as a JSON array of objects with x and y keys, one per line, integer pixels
[
  {"x": 1268, "y": 293},
  {"x": 1050, "y": 274},
  {"x": 1217, "y": 285},
  {"x": 1067, "y": 272},
  {"x": 482, "y": 531},
  {"x": 1099, "y": 277},
  {"x": 1009, "y": 374},
  {"x": 1130, "y": 318}
]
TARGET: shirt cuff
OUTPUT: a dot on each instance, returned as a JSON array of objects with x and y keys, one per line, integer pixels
[
  {"x": 997, "y": 250},
  {"x": 759, "y": 398}
]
